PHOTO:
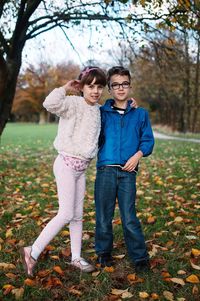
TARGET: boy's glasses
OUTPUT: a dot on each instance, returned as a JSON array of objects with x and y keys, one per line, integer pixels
[{"x": 124, "y": 85}]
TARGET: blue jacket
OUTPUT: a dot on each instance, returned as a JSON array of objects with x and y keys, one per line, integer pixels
[{"x": 123, "y": 135}]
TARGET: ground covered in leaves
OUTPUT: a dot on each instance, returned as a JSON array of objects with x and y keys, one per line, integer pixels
[{"x": 168, "y": 193}]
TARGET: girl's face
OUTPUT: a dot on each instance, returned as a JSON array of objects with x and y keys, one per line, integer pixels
[{"x": 92, "y": 92}]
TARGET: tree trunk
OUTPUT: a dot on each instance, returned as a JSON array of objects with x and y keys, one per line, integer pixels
[
  {"x": 9, "y": 74},
  {"x": 196, "y": 92}
]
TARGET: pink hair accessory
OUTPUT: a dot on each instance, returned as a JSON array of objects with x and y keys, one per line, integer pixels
[{"x": 87, "y": 70}]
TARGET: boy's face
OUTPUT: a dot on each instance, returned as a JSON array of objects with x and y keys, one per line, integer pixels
[{"x": 120, "y": 87}]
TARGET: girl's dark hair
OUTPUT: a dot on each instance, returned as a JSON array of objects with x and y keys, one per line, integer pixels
[
  {"x": 90, "y": 73},
  {"x": 117, "y": 70}
]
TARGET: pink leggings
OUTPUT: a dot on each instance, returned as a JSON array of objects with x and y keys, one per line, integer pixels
[{"x": 71, "y": 191}]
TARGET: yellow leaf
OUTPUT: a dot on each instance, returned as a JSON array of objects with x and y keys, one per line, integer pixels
[
  {"x": 6, "y": 266},
  {"x": 178, "y": 219},
  {"x": 95, "y": 274},
  {"x": 192, "y": 279},
  {"x": 181, "y": 272},
  {"x": 178, "y": 187},
  {"x": 18, "y": 292},
  {"x": 195, "y": 252},
  {"x": 9, "y": 233},
  {"x": 168, "y": 295},
  {"x": 178, "y": 281},
  {"x": 119, "y": 256},
  {"x": 64, "y": 233},
  {"x": 126, "y": 295},
  {"x": 143, "y": 295},
  {"x": 7, "y": 288},
  {"x": 117, "y": 292},
  {"x": 55, "y": 257}
]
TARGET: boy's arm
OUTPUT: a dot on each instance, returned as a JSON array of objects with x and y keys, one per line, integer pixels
[
  {"x": 146, "y": 136},
  {"x": 145, "y": 147}
]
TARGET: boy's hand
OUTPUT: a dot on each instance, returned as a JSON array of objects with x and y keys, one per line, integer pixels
[
  {"x": 132, "y": 162},
  {"x": 134, "y": 103},
  {"x": 72, "y": 86}
]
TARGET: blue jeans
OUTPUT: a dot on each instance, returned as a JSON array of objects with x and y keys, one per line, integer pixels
[{"x": 112, "y": 183}]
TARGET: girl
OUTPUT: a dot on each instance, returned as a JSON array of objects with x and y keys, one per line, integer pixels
[{"x": 76, "y": 143}]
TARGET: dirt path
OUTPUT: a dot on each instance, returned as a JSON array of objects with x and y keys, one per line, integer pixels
[{"x": 166, "y": 137}]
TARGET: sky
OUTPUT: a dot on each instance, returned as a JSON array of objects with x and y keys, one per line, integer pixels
[{"x": 53, "y": 47}]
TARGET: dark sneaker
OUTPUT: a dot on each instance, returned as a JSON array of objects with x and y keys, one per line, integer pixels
[
  {"x": 142, "y": 266},
  {"x": 105, "y": 260}
]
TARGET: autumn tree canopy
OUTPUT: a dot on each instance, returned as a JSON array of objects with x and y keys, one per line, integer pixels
[{"x": 23, "y": 20}]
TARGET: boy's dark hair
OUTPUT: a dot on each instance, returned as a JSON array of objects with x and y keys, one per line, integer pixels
[
  {"x": 117, "y": 70},
  {"x": 90, "y": 73}
]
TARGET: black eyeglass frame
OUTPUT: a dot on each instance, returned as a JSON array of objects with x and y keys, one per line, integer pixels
[{"x": 124, "y": 85}]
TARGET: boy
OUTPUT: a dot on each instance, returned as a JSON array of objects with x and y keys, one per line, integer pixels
[{"x": 126, "y": 136}]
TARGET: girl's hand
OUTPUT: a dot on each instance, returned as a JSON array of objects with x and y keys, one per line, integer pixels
[
  {"x": 134, "y": 103},
  {"x": 72, "y": 86}
]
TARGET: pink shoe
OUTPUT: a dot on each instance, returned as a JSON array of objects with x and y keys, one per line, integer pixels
[{"x": 28, "y": 261}]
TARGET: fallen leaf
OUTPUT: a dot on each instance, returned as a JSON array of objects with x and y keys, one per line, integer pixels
[
  {"x": 181, "y": 272},
  {"x": 7, "y": 289},
  {"x": 154, "y": 296},
  {"x": 30, "y": 282},
  {"x": 117, "y": 292},
  {"x": 195, "y": 252},
  {"x": 168, "y": 296},
  {"x": 7, "y": 266},
  {"x": 192, "y": 279},
  {"x": 119, "y": 256},
  {"x": 127, "y": 295},
  {"x": 151, "y": 220},
  {"x": 58, "y": 270},
  {"x": 43, "y": 273},
  {"x": 66, "y": 252},
  {"x": 109, "y": 269},
  {"x": 178, "y": 281},
  {"x": 53, "y": 282},
  {"x": 72, "y": 290},
  {"x": 11, "y": 275},
  {"x": 95, "y": 274},
  {"x": 18, "y": 292},
  {"x": 195, "y": 290},
  {"x": 9, "y": 233},
  {"x": 143, "y": 295},
  {"x": 196, "y": 267},
  {"x": 178, "y": 219},
  {"x": 133, "y": 278}
]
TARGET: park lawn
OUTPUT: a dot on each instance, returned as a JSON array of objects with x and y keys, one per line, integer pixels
[{"x": 168, "y": 205}]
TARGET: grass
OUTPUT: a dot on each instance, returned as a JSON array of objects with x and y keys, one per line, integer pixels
[{"x": 168, "y": 206}]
